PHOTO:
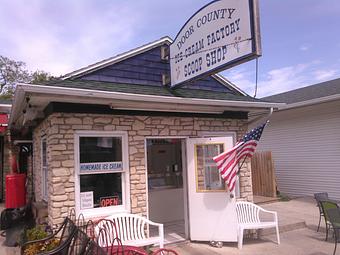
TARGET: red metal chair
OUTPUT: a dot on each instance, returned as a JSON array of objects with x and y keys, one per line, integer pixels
[{"x": 165, "y": 251}]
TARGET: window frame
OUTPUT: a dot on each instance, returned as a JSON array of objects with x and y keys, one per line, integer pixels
[
  {"x": 44, "y": 170},
  {"x": 233, "y": 134},
  {"x": 125, "y": 172}
]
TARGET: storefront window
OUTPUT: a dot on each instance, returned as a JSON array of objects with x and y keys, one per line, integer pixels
[
  {"x": 44, "y": 169},
  {"x": 106, "y": 188},
  {"x": 102, "y": 172}
]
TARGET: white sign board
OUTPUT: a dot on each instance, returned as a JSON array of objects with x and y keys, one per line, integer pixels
[
  {"x": 222, "y": 34},
  {"x": 86, "y": 200},
  {"x": 100, "y": 166}
]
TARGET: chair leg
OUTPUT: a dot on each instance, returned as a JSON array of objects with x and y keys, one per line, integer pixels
[
  {"x": 277, "y": 234},
  {"x": 319, "y": 223},
  {"x": 240, "y": 238},
  {"x": 326, "y": 231},
  {"x": 336, "y": 242}
]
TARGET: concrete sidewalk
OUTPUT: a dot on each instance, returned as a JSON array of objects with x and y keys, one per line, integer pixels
[{"x": 298, "y": 220}]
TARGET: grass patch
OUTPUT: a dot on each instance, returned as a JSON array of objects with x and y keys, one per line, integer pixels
[{"x": 283, "y": 197}]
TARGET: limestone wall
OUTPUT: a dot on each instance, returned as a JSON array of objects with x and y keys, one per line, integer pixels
[{"x": 59, "y": 129}]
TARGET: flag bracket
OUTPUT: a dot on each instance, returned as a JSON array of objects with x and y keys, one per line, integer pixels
[{"x": 261, "y": 117}]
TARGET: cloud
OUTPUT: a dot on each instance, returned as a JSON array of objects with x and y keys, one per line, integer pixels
[
  {"x": 283, "y": 79},
  {"x": 242, "y": 79},
  {"x": 322, "y": 75},
  {"x": 59, "y": 38},
  {"x": 304, "y": 47}
]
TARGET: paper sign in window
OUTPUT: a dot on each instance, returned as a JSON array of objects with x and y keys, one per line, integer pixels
[{"x": 86, "y": 200}]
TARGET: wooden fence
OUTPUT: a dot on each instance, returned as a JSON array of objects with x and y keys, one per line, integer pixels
[{"x": 263, "y": 174}]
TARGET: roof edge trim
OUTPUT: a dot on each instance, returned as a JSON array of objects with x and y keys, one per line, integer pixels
[
  {"x": 311, "y": 102},
  {"x": 141, "y": 97},
  {"x": 117, "y": 58}
]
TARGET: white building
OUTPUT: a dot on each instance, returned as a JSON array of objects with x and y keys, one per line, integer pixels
[{"x": 304, "y": 138}]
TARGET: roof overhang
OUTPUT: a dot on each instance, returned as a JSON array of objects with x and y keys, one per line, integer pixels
[
  {"x": 32, "y": 99},
  {"x": 310, "y": 102}
]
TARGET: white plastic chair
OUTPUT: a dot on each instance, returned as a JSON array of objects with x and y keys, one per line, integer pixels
[
  {"x": 248, "y": 217},
  {"x": 131, "y": 229}
]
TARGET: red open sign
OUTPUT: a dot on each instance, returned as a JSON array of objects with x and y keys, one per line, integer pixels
[{"x": 109, "y": 201}]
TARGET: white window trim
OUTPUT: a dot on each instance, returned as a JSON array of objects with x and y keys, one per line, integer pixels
[
  {"x": 44, "y": 186},
  {"x": 104, "y": 211}
]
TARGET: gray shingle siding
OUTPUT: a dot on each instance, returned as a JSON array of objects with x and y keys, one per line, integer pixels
[
  {"x": 319, "y": 90},
  {"x": 147, "y": 69}
]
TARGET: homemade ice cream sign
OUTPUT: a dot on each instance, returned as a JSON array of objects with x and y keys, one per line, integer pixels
[
  {"x": 222, "y": 34},
  {"x": 100, "y": 166}
]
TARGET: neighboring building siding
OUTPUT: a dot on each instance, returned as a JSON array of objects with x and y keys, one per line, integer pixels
[
  {"x": 147, "y": 69},
  {"x": 60, "y": 127},
  {"x": 305, "y": 143}
]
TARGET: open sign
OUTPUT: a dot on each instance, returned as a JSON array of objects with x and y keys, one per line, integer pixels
[{"x": 109, "y": 201}]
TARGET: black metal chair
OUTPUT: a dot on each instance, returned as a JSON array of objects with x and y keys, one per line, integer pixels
[
  {"x": 64, "y": 235},
  {"x": 318, "y": 197},
  {"x": 326, "y": 205},
  {"x": 79, "y": 243},
  {"x": 94, "y": 249},
  {"x": 334, "y": 218}
]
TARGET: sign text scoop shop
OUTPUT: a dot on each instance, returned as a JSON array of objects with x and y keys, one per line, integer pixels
[{"x": 213, "y": 56}]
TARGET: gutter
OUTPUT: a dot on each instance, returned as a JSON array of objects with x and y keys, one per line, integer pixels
[
  {"x": 311, "y": 102},
  {"x": 23, "y": 89},
  {"x": 141, "y": 97}
]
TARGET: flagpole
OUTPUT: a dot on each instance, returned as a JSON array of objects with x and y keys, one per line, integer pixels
[{"x": 243, "y": 162}]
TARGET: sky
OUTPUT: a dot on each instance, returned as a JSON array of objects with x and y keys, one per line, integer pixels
[{"x": 300, "y": 39}]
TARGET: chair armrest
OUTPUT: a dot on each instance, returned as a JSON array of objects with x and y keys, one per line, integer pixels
[
  {"x": 270, "y": 212},
  {"x": 160, "y": 228},
  {"x": 153, "y": 223}
]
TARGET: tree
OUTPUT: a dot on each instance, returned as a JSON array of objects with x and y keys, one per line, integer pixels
[
  {"x": 12, "y": 72},
  {"x": 40, "y": 76}
]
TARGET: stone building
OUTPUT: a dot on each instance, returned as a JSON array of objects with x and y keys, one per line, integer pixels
[{"x": 111, "y": 137}]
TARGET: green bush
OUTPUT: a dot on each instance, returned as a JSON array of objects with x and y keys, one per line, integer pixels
[{"x": 36, "y": 233}]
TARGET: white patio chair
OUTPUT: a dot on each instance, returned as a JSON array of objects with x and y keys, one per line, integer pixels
[{"x": 248, "y": 217}]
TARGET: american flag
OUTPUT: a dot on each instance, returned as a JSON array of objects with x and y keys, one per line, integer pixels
[{"x": 227, "y": 162}]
